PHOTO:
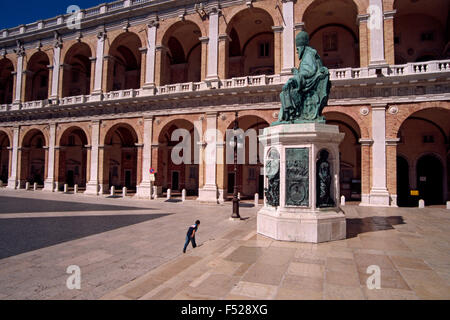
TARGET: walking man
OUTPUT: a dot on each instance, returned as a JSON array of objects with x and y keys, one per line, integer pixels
[{"x": 190, "y": 236}]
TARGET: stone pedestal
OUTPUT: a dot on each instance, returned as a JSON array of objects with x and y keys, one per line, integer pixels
[{"x": 301, "y": 215}]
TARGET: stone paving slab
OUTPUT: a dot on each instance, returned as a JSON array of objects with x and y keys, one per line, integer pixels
[{"x": 410, "y": 246}]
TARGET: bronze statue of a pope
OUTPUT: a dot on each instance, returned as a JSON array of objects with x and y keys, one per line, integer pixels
[{"x": 305, "y": 94}]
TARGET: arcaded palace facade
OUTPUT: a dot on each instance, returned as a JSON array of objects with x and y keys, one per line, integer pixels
[{"x": 95, "y": 105}]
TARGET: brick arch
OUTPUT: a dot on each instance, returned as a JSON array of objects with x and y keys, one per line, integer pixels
[
  {"x": 302, "y": 6},
  {"x": 394, "y": 122},
  {"x": 24, "y": 134},
  {"x": 158, "y": 128},
  {"x": 67, "y": 45},
  {"x": 131, "y": 125},
  {"x": 353, "y": 112},
  {"x": 8, "y": 134},
  {"x": 228, "y": 122},
  {"x": 167, "y": 25},
  {"x": 230, "y": 13},
  {"x": 63, "y": 129},
  {"x": 113, "y": 35}
]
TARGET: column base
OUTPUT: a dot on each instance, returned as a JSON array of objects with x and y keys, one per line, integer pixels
[
  {"x": 148, "y": 89},
  {"x": 49, "y": 185},
  {"x": 92, "y": 188},
  {"x": 313, "y": 227},
  {"x": 12, "y": 184},
  {"x": 213, "y": 82},
  {"x": 144, "y": 191},
  {"x": 96, "y": 96},
  {"x": 377, "y": 198},
  {"x": 208, "y": 194}
]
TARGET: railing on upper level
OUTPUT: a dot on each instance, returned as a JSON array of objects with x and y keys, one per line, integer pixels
[{"x": 336, "y": 75}]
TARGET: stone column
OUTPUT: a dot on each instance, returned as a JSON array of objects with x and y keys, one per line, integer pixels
[
  {"x": 92, "y": 185},
  {"x": 56, "y": 70},
  {"x": 92, "y": 83},
  {"x": 96, "y": 94},
  {"x": 12, "y": 180},
  {"x": 379, "y": 194},
  {"x": 49, "y": 182},
  {"x": 288, "y": 37},
  {"x": 278, "y": 48},
  {"x": 376, "y": 29},
  {"x": 209, "y": 191},
  {"x": 213, "y": 46},
  {"x": 19, "y": 77},
  {"x": 144, "y": 190},
  {"x": 149, "y": 85}
]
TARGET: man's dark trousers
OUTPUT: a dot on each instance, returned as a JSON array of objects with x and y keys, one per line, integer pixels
[{"x": 187, "y": 242}]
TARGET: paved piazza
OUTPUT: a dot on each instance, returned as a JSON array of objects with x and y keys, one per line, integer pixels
[{"x": 131, "y": 249}]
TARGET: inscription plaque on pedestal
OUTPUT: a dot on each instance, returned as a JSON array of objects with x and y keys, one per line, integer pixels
[{"x": 297, "y": 177}]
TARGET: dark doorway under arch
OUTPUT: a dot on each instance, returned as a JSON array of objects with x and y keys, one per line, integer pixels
[{"x": 430, "y": 179}]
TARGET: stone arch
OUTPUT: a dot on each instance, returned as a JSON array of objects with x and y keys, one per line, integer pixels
[
  {"x": 5, "y": 143},
  {"x": 174, "y": 172},
  {"x": 334, "y": 32},
  {"x": 167, "y": 25},
  {"x": 395, "y": 121},
  {"x": 77, "y": 71},
  {"x": 37, "y": 80},
  {"x": 350, "y": 154},
  {"x": 33, "y": 157},
  {"x": 124, "y": 62},
  {"x": 250, "y": 160},
  {"x": 181, "y": 61},
  {"x": 302, "y": 6},
  {"x": 72, "y": 157},
  {"x": 230, "y": 13},
  {"x": 6, "y": 81},
  {"x": 120, "y": 157},
  {"x": 256, "y": 55}
]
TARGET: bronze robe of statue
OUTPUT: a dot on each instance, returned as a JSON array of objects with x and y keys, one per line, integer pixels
[{"x": 305, "y": 94}]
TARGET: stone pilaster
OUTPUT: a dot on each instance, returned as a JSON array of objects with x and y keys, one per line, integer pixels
[
  {"x": 149, "y": 85},
  {"x": 213, "y": 47},
  {"x": 96, "y": 94},
  {"x": 14, "y": 173},
  {"x": 56, "y": 69},
  {"x": 92, "y": 185},
  {"x": 144, "y": 189},
  {"x": 379, "y": 195},
  {"x": 376, "y": 29},
  {"x": 49, "y": 183},
  {"x": 288, "y": 37},
  {"x": 19, "y": 75},
  {"x": 209, "y": 192}
]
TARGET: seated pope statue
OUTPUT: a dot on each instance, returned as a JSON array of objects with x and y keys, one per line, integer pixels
[{"x": 305, "y": 94}]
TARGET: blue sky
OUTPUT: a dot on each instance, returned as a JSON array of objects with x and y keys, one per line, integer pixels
[{"x": 16, "y": 12}]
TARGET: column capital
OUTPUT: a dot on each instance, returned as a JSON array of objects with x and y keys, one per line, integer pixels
[
  {"x": 362, "y": 18},
  {"x": 300, "y": 26},
  {"x": 392, "y": 141},
  {"x": 366, "y": 142},
  {"x": 379, "y": 106},
  {"x": 143, "y": 50},
  {"x": 224, "y": 37},
  {"x": 211, "y": 114},
  {"x": 389, "y": 14},
  {"x": 278, "y": 29},
  {"x": 161, "y": 47},
  {"x": 204, "y": 39}
]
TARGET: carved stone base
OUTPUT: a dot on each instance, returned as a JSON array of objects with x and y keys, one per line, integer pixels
[
  {"x": 308, "y": 174},
  {"x": 92, "y": 188},
  {"x": 209, "y": 193},
  {"x": 144, "y": 191},
  {"x": 314, "y": 227}
]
